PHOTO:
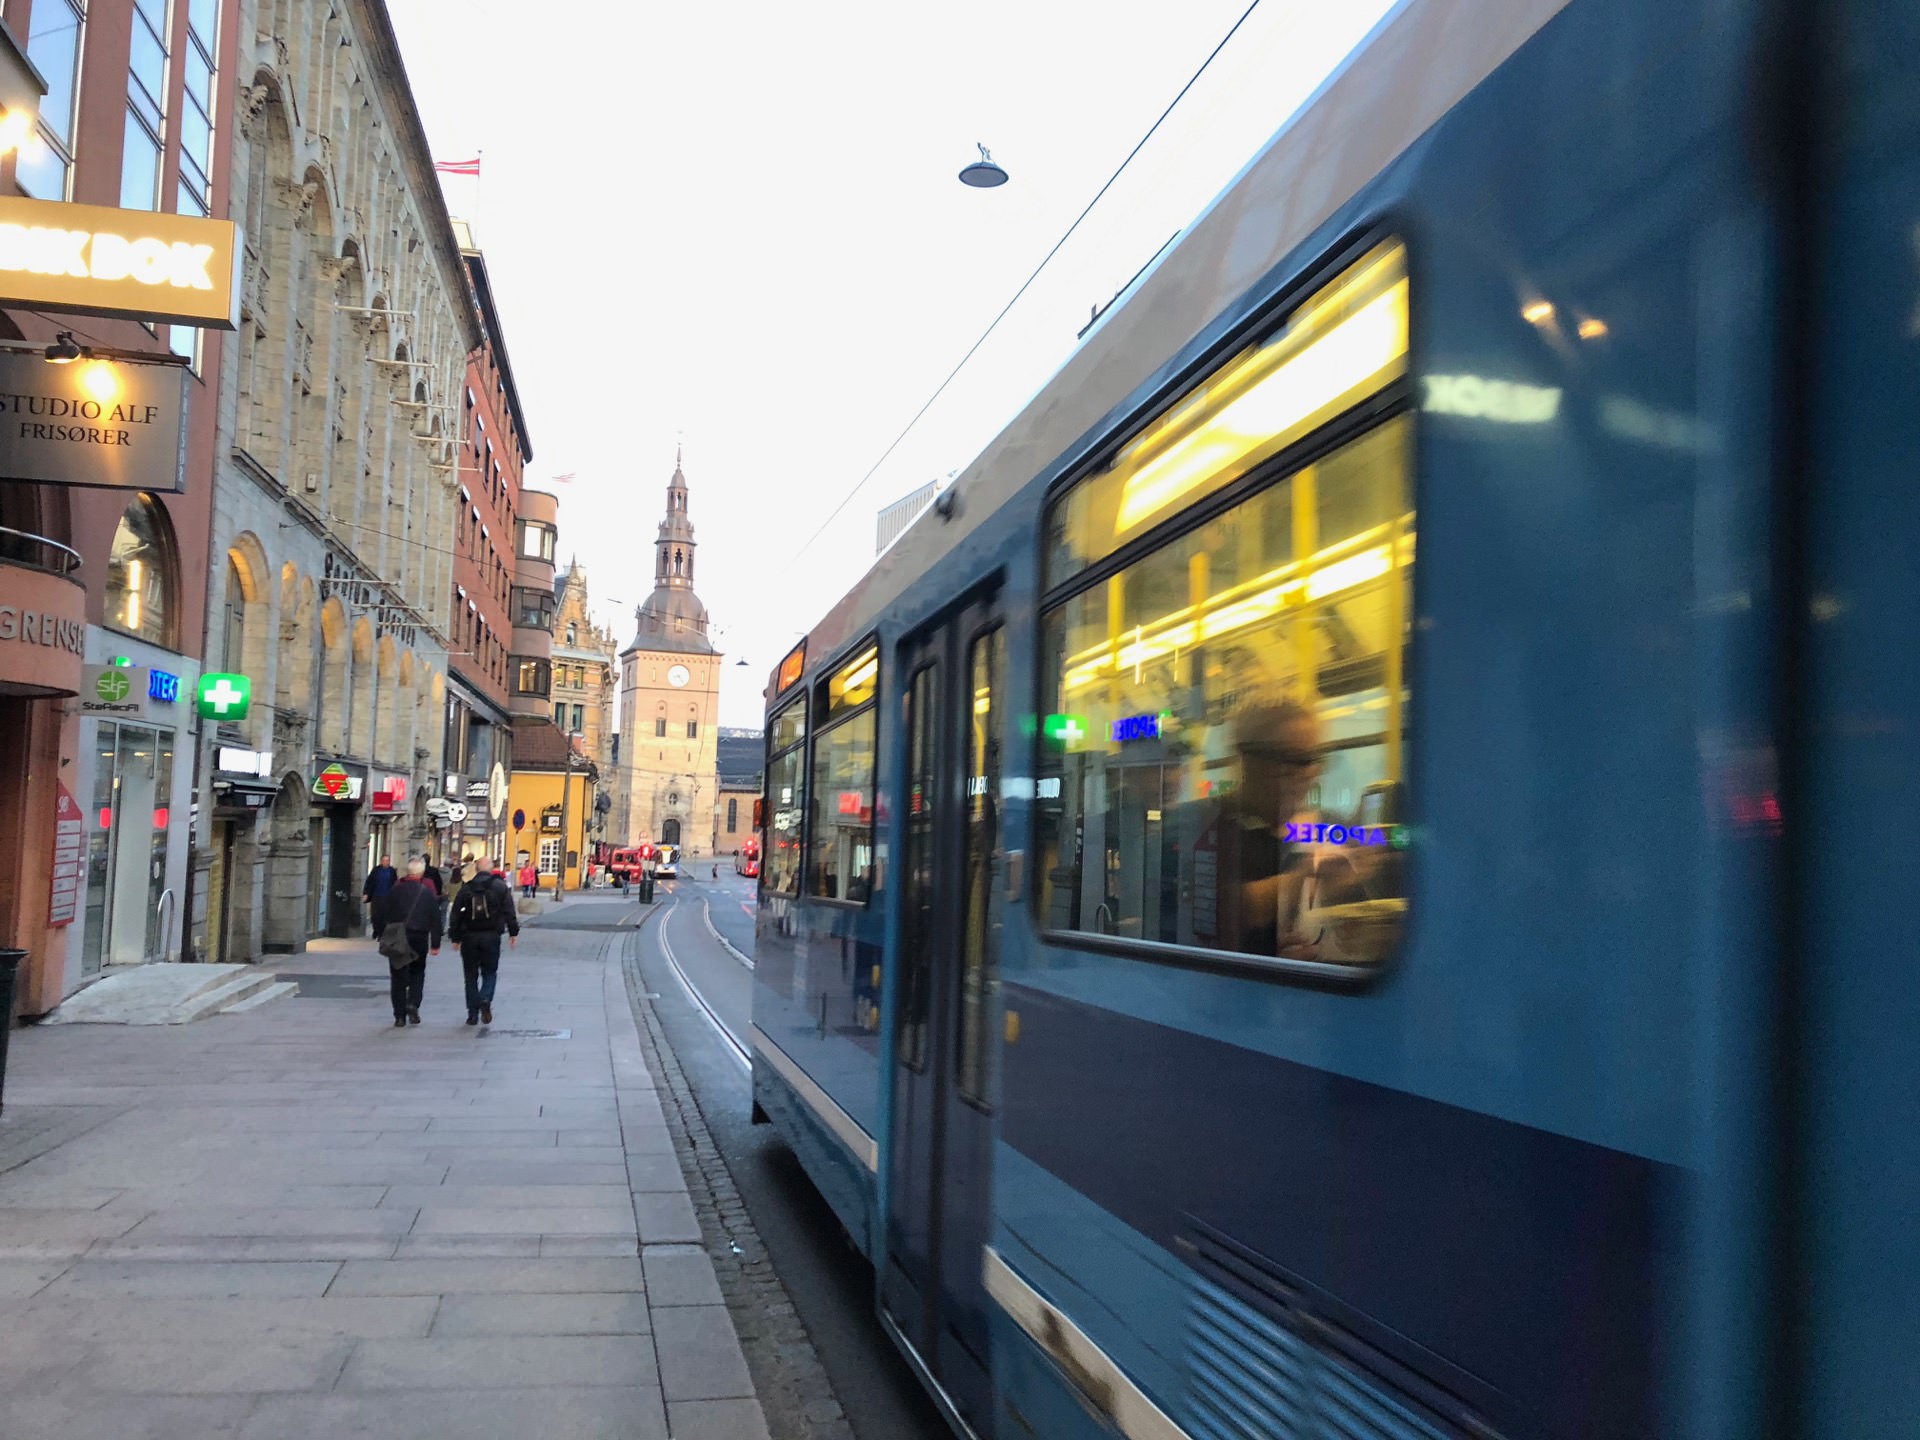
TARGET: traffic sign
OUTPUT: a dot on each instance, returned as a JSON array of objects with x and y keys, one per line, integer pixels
[{"x": 519, "y": 819}]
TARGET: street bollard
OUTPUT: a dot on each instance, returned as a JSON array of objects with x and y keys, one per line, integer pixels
[{"x": 9, "y": 970}]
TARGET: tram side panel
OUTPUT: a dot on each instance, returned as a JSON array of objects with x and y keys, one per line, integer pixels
[{"x": 1477, "y": 1171}]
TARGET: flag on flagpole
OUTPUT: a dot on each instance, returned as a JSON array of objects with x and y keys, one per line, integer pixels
[{"x": 458, "y": 167}]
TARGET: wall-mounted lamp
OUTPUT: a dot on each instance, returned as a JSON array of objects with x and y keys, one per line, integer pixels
[{"x": 63, "y": 351}]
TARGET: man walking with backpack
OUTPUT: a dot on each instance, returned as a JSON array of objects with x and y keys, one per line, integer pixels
[{"x": 481, "y": 911}]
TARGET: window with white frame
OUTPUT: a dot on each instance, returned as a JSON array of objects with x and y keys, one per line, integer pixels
[{"x": 550, "y": 856}]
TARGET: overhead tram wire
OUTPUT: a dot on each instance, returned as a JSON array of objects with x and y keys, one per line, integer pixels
[{"x": 861, "y": 483}]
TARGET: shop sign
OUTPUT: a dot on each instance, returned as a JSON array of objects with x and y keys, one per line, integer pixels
[
  {"x": 389, "y": 795},
  {"x": 243, "y": 762},
  {"x": 43, "y": 627},
  {"x": 224, "y": 697},
  {"x": 99, "y": 423},
  {"x": 478, "y": 790},
  {"x": 140, "y": 264},
  {"x": 550, "y": 818},
  {"x": 497, "y": 792},
  {"x": 115, "y": 690},
  {"x": 336, "y": 783},
  {"x": 69, "y": 858}
]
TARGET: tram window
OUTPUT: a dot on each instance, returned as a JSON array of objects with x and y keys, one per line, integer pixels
[
  {"x": 916, "y": 931},
  {"x": 842, "y": 793},
  {"x": 789, "y": 727},
  {"x": 980, "y": 943},
  {"x": 1224, "y": 764},
  {"x": 786, "y": 803},
  {"x": 1344, "y": 343}
]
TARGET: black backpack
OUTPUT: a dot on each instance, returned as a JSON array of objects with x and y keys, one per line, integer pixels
[{"x": 475, "y": 911}]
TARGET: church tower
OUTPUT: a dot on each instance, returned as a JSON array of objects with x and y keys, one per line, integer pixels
[{"x": 669, "y": 700}]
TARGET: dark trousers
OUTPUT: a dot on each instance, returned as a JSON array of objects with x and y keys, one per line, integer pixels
[
  {"x": 480, "y": 959},
  {"x": 410, "y": 981}
]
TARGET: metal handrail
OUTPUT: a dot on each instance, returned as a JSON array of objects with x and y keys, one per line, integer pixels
[{"x": 67, "y": 558}]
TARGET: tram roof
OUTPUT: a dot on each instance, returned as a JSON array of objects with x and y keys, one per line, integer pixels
[{"x": 1420, "y": 60}]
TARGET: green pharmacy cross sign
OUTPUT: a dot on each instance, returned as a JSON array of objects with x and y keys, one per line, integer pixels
[{"x": 224, "y": 697}]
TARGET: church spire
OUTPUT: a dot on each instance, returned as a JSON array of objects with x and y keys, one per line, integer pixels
[{"x": 673, "y": 560}]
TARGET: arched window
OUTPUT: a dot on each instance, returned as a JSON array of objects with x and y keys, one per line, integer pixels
[
  {"x": 233, "y": 651},
  {"x": 141, "y": 574}
]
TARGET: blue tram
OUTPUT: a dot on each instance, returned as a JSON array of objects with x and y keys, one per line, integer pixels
[{"x": 1329, "y": 893}]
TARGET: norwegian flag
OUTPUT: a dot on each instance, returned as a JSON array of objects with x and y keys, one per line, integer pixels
[{"x": 458, "y": 167}]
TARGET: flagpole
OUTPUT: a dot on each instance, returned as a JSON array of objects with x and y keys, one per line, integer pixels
[{"x": 478, "y": 231}]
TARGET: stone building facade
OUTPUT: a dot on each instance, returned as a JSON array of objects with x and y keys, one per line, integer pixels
[
  {"x": 583, "y": 669},
  {"x": 669, "y": 701},
  {"x": 340, "y": 420}
]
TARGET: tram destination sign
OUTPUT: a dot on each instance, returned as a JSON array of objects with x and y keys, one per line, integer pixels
[
  {"x": 139, "y": 264},
  {"x": 96, "y": 423}
]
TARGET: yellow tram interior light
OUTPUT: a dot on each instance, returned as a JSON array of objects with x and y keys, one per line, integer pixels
[{"x": 1350, "y": 340}]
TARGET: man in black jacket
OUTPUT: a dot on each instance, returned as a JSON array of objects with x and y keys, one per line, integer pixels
[
  {"x": 414, "y": 904},
  {"x": 481, "y": 911}
]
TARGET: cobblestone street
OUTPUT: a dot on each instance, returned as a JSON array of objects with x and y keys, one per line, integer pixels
[{"x": 302, "y": 1222}]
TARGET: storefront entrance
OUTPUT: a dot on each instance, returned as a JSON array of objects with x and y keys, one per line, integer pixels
[{"x": 128, "y": 902}]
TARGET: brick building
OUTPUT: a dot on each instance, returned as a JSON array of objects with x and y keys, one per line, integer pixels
[
  {"x": 493, "y": 454},
  {"x": 136, "y": 114}
]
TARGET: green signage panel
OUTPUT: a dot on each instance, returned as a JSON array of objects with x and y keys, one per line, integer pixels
[{"x": 224, "y": 697}]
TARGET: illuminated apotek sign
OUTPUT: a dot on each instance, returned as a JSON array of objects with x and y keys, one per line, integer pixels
[{"x": 141, "y": 264}]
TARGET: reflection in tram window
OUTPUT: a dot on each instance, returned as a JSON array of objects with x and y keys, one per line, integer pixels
[
  {"x": 842, "y": 784},
  {"x": 916, "y": 931},
  {"x": 786, "y": 801},
  {"x": 980, "y": 945},
  {"x": 1225, "y": 762}
]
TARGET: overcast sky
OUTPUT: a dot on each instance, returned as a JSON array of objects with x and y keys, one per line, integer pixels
[{"x": 741, "y": 224}]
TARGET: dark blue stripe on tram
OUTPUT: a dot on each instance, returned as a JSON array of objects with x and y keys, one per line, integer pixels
[{"x": 1523, "y": 1257}]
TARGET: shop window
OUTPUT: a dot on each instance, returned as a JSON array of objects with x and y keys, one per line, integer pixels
[{"x": 141, "y": 578}]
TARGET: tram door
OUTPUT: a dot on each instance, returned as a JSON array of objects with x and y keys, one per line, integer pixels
[{"x": 948, "y": 1007}]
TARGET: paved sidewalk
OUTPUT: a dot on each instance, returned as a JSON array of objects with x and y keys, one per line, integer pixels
[{"x": 300, "y": 1222}]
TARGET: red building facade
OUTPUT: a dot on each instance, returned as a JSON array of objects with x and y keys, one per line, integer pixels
[{"x": 493, "y": 454}]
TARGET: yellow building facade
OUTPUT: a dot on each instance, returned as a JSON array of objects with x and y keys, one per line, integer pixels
[{"x": 550, "y": 805}]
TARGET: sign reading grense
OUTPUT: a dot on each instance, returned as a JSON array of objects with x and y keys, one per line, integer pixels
[
  {"x": 121, "y": 427},
  {"x": 140, "y": 264}
]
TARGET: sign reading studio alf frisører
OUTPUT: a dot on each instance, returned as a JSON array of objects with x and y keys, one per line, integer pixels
[
  {"x": 141, "y": 264},
  {"x": 93, "y": 423}
]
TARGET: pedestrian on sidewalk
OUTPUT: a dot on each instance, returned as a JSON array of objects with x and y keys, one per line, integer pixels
[
  {"x": 408, "y": 921},
  {"x": 380, "y": 880},
  {"x": 434, "y": 878},
  {"x": 529, "y": 878},
  {"x": 481, "y": 911}
]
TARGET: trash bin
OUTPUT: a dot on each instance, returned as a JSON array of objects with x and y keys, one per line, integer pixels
[{"x": 9, "y": 968}]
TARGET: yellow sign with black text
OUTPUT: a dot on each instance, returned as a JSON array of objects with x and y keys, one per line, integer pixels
[{"x": 138, "y": 264}]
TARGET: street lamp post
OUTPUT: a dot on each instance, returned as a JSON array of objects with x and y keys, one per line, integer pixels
[{"x": 566, "y": 822}]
